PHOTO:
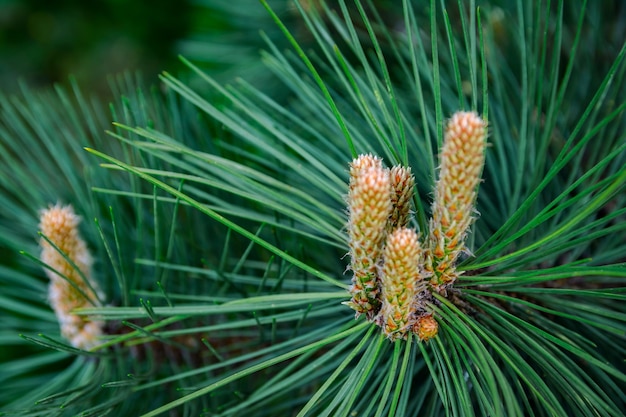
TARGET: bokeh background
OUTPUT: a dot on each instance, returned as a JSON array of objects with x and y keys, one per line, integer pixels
[{"x": 44, "y": 42}]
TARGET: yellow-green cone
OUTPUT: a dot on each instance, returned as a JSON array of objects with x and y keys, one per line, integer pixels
[
  {"x": 461, "y": 163},
  {"x": 369, "y": 208},
  {"x": 401, "y": 282}
]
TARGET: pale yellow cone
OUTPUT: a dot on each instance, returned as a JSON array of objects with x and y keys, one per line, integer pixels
[
  {"x": 401, "y": 282},
  {"x": 369, "y": 208},
  {"x": 461, "y": 162},
  {"x": 60, "y": 225}
]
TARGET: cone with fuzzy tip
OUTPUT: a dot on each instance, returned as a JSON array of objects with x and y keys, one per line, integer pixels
[
  {"x": 369, "y": 208},
  {"x": 461, "y": 163},
  {"x": 401, "y": 282},
  {"x": 71, "y": 285}
]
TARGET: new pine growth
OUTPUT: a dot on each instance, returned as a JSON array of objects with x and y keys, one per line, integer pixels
[
  {"x": 391, "y": 269},
  {"x": 461, "y": 162},
  {"x": 71, "y": 284}
]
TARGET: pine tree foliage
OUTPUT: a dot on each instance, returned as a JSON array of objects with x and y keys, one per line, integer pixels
[{"x": 217, "y": 218}]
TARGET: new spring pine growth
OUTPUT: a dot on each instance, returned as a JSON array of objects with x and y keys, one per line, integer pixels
[
  {"x": 71, "y": 286},
  {"x": 369, "y": 208},
  {"x": 401, "y": 282},
  {"x": 426, "y": 327},
  {"x": 402, "y": 184},
  {"x": 461, "y": 163}
]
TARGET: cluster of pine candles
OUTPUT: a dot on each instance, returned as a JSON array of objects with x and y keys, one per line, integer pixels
[{"x": 394, "y": 271}]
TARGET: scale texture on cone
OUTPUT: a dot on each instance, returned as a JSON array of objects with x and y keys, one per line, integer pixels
[
  {"x": 369, "y": 208},
  {"x": 461, "y": 163},
  {"x": 401, "y": 282}
]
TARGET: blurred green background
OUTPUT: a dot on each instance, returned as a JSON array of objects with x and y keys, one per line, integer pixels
[{"x": 43, "y": 42}]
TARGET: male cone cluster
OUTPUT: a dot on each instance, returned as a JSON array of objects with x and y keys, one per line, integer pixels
[
  {"x": 393, "y": 271},
  {"x": 71, "y": 285}
]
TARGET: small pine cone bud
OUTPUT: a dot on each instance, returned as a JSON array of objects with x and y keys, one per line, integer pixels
[
  {"x": 369, "y": 208},
  {"x": 401, "y": 282},
  {"x": 461, "y": 163},
  {"x": 360, "y": 164},
  {"x": 426, "y": 327},
  {"x": 60, "y": 225},
  {"x": 402, "y": 184}
]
